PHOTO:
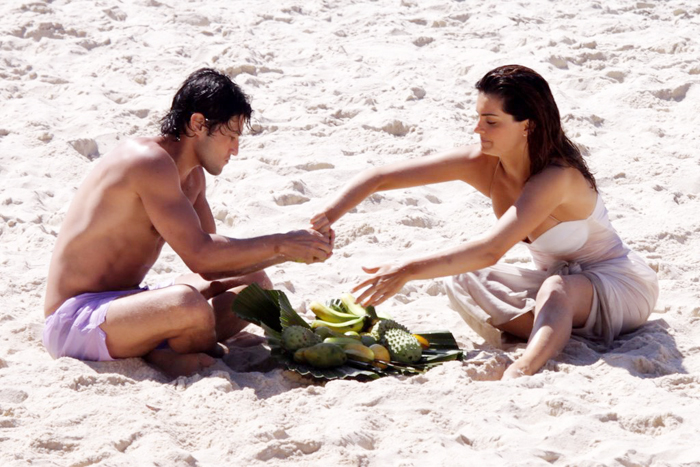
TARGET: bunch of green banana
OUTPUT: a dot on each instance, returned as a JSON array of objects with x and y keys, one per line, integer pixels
[{"x": 341, "y": 315}]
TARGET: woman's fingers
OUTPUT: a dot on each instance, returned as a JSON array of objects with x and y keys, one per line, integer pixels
[
  {"x": 378, "y": 288},
  {"x": 320, "y": 222}
]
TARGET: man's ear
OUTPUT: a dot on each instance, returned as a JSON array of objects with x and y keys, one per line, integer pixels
[{"x": 197, "y": 123}]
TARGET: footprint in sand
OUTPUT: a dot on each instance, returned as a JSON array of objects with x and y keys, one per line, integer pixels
[
  {"x": 86, "y": 147},
  {"x": 676, "y": 94},
  {"x": 295, "y": 194}
]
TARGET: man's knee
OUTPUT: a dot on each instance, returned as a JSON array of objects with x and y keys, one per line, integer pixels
[
  {"x": 262, "y": 279},
  {"x": 191, "y": 308}
]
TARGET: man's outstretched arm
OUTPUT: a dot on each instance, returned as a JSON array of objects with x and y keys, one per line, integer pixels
[{"x": 156, "y": 181}]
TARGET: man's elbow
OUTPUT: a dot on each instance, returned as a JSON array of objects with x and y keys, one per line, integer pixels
[{"x": 197, "y": 262}]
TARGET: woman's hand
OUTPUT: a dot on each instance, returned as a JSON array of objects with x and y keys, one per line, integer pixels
[
  {"x": 387, "y": 280},
  {"x": 322, "y": 225}
]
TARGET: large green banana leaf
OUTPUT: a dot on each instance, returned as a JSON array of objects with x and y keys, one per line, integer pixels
[{"x": 271, "y": 310}]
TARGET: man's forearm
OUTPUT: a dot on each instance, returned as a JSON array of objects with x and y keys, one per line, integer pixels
[
  {"x": 213, "y": 276},
  {"x": 224, "y": 256}
]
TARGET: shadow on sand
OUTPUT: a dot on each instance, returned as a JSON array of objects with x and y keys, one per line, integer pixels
[{"x": 647, "y": 352}]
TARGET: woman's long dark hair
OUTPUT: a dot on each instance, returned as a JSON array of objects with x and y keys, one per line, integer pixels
[
  {"x": 210, "y": 93},
  {"x": 526, "y": 96}
]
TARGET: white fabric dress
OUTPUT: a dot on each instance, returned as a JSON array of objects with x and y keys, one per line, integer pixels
[{"x": 625, "y": 287}]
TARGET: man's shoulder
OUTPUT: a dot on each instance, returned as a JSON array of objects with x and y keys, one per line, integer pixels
[
  {"x": 141, "y": 150},
  {"x": 139, "y": 160},
  {"x": 141, "y": 154}
]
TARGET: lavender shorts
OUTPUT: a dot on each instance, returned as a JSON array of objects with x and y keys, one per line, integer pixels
[{"x": 73, "y": 330}]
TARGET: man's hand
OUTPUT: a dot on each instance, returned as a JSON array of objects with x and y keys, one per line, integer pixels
[{"x": 307, "y": 246}]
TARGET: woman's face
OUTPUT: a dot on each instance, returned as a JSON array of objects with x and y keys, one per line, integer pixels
[{"x": 500, "y": 134}]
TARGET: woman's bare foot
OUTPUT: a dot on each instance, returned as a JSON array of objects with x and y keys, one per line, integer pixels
[
  {"x": 176, "y": 364},
  {"x": 517, "y": 370}
]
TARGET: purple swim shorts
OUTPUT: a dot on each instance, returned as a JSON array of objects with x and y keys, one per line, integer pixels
[{"x": 73, "y": 330}]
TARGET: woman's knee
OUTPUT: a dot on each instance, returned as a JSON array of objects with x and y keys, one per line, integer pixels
[
  {"x": 552, "y": 287},
  {"x": 552, "y": 296}
]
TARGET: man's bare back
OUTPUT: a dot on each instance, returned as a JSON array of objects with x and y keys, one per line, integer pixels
[
  {"x": 107, "y": 241},
  {"x": 144, "y": 193}
]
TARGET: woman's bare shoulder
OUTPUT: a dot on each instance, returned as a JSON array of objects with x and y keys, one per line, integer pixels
[{"x": 568, "y": 185}]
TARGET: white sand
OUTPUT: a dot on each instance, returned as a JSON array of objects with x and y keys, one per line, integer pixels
[{"x": 338, "y": 86}]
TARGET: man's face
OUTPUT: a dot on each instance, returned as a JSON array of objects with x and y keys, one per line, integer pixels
[{"x": 215, "y": 150}]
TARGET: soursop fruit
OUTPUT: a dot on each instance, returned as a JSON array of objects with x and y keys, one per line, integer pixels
[
  {"x": 298, "y": 337},
  {"x": 403, "y": 346},
  {"x": 385, "y": 324}
]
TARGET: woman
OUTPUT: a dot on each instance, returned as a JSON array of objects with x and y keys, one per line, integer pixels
[{"x": 586, "y": 281}]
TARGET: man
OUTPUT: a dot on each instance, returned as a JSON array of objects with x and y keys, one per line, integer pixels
[{"x": 146, "y": 192}]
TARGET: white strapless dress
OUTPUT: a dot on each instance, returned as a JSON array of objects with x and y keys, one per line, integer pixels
[{"x": 625, "y": 287}]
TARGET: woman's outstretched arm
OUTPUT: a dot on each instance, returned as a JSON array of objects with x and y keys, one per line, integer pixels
[
  {"x": 465, "y": 163},
  {"x": 541, "y": 195}
]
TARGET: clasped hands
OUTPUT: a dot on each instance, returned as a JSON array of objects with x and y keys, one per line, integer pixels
[{"x": 386, "y": 279}]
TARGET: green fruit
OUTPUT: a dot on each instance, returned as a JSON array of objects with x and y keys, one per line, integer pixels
[
  {"x": 324, "y": 355},
  {"x": 353, "y": 334},
  {"x": 385, "y": 324},
  {"x": 298, "y": 337},
  {"x": 299, "y": 356},
  {"x": 368, "y": 340},
  {"x": 341, "y": 341},
  {"x": 402, "y": 345},
  {"x": 323, "y": 332}
]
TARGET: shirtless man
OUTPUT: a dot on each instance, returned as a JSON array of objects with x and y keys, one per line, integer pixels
[{"x": 146, "y": 192}]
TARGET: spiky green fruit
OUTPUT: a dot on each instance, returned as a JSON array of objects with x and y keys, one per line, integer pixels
[
  {"x": 385, "y": 324},
  {"x": 298, "y": 337},
  {"x": 402, "y": 345}
]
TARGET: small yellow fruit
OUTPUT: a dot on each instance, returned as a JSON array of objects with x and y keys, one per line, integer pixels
[
  {"x": 359, "y": 352},
  {"x": 422, "y": 341},
  {"x": 380, "y": 353}
]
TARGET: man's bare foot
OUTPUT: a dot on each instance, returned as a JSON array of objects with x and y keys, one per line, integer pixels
[
  {"x": 245, "y": 339},
  {"x": 218, "y": 351},
  {"x": 176, "y": 364}
]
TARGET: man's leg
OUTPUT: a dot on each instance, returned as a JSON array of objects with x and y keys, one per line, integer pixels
[
  {"x": 192, "y": 315},
  {"x": 138, "y": 323},
  {"x": 221, "y": 294}
]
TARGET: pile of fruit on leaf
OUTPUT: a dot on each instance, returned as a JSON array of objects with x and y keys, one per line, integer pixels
[
  {"x": 343, "y": 330},
  {"x": 345, "y": 340}
]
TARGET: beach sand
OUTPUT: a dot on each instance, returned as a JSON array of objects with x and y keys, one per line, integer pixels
[{"x": 339, "y": 86}]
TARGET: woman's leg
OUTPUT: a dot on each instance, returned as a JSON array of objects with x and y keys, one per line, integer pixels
[{"x": 563, "y": 302}]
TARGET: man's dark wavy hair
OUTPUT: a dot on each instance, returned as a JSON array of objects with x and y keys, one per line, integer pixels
[
  {"x": 526, "y": 96},
  {"x": 210, "y": 93}
]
